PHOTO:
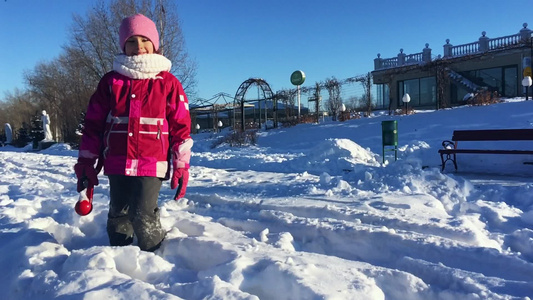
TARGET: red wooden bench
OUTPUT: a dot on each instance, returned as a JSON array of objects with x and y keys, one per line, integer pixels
[{"x": 451, "y": 148}]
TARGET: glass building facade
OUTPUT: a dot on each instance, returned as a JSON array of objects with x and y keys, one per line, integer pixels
[
  {"x": 503, "y": 80},
  {"x": 423, "y": 92}
]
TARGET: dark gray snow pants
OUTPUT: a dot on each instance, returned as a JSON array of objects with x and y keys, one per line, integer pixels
[{"x": 133, "y": 211}]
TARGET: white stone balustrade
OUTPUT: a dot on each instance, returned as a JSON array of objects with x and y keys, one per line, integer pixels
[{"x": 484, "y": 44}]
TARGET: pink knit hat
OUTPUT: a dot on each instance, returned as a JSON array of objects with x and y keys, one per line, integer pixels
[{"x": 138, "y": 25}]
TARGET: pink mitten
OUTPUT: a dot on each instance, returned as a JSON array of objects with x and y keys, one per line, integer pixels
[{"x": 180, "y": 163}]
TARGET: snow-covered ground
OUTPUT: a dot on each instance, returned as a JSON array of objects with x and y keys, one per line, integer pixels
[{"x": 311, "y": 212}]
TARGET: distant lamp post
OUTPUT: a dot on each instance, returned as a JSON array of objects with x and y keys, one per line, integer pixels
[
  {"x": 406, "y": 99},
  {"x": 219, "y": 124},
  {"x": 526, "y": 82},
  {"x": 343, "y": 109},
  {"x": 197, "y": 128}
]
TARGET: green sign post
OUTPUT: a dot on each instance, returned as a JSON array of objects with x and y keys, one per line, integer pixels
[{"x": 297, "y": 79}]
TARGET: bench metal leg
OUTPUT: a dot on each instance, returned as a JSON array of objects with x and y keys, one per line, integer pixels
[
  {"x": 448, "y": 157},
  {"x": 454, "y": 159}
]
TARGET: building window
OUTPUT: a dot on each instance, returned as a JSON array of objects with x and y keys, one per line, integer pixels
[
  {"x": 382, "y": 96},
  {"x": 510, "y": 79},
  {"x": 428, "y": 91},
  {"x": 491, "y": 78},
  {"x": 502, "y": 80},
  {"x": 423, "y": 92},
  {"x": 458, "y": 93}
]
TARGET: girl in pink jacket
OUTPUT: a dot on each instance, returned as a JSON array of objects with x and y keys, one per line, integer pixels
[{"x": 136, "y": 121}]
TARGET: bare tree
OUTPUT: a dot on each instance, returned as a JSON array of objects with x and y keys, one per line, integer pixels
[
  {"x": 288, "y": 98},
  {"x": 63, "y": 86},
  {"x": 94, "y": 41},
  {"x": 16, "y": 109},
  {"x": 443, "y": 80},
  {"x": 94, "y": 38},
  {"x": 367, "y": 97},
  {"x": 316, "y": 98},
  {"x": 49, "y": 85},
  {"x": 334, "y": 103},
  {"x": 352, "y": 103}
]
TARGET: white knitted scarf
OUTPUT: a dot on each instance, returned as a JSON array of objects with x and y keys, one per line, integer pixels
[{"x": 141, "y": 66}]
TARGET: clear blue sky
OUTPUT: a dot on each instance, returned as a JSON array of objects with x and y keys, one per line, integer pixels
[{"x": 237, "y": 39}]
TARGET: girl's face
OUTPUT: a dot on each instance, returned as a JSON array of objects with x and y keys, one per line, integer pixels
[{"x": 138, "y": 45}]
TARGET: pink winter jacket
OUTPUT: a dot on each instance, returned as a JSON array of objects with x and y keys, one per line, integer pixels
[{"x": 136, "y": 124}]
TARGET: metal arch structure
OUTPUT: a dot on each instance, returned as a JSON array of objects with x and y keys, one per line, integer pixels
[
  {"x": 267, "y": 95},
  {"x": 215, "y": 100},
  {"x": 219, "y": 103}
]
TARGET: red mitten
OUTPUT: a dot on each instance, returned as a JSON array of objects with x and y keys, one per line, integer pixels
[
  {"x": 86, "y": 174},
  {"x": 180, "y": 179}
]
